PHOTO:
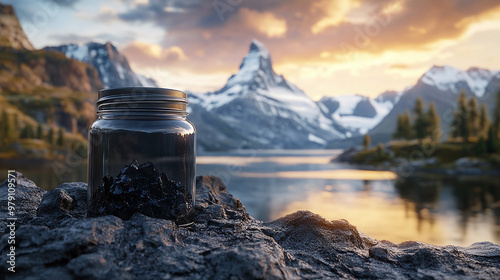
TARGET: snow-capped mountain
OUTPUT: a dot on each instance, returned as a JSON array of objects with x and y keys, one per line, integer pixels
[
  {"x": 265, "y": 109},
  {"x": 356, "y": 113},
  {"x": 442, "y": 85},
  {"x": 113, "y": 67},
  {"x": 447, "y": 78}
]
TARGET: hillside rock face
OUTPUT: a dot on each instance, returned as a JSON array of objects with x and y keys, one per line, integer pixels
[
  {"x": 25, "y": 69},
  {"x": 224, "y": 242},
  {"x": 11, "y": 32}
]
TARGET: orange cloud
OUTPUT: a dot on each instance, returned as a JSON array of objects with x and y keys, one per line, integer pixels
[
  {"x": 263, "y": 22},
  {"x": 349, "y": 36},
  {"x": 144, "y": 54}
]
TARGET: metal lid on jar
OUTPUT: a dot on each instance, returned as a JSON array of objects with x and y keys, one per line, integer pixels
[
  {"x": 141, "y": 99},
  {"x": 140, "y": 91}
]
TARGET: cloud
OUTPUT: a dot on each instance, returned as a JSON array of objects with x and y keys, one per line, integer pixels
[
  {"x": 145, "y": 55},
  {"x": 336, "y": 13},
  {"x": 323, "y": 37},
  {"x": 309, "y": 28},
  {"x": 65, "y": 3},
  {"x": 399, "y": 66},
  {"x": 263, "y": 22}
]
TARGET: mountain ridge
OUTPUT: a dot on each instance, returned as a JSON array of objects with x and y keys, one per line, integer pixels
[{"x": 112, "y": 66}]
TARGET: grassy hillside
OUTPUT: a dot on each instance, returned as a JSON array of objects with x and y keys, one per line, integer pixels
[{"x": 43, "y": 95}]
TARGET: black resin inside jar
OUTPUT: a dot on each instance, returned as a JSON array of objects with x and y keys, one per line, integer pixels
[{"x": 146, "y": 126}]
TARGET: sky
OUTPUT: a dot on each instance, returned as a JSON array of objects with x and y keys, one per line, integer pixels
[{"x": 325, "y": 47}]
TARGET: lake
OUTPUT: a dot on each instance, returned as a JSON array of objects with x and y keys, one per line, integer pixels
[{"x": 434, "y": 209}]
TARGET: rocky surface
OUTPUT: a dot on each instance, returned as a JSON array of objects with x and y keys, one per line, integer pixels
[{"x": 56, "y": 241}]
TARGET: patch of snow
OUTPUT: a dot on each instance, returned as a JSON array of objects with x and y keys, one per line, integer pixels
[
  {"x": 347, "y": 103},
  {"x": 120, "y": 70},
  {"x": 77, "y": 52},
  {"x": 316, "y": 139}
]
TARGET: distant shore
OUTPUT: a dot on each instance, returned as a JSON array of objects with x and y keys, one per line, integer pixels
[{"x": 442, "y": 161}]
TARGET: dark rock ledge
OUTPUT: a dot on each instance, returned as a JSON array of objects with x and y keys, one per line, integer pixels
[{"x": 56, "y": 241}]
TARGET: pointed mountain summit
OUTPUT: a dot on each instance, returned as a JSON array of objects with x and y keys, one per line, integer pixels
[
  {"x": 113, "y": 67},
  {"x": 256, "y": 71},
  {"x": 11, "y": 32}
]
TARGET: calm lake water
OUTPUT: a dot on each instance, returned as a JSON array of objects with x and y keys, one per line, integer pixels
[{"x": 432, "y": 209}]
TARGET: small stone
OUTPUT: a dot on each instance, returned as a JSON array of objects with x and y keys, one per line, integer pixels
[
  {"x": 378, "y": 253},
  {"x": 67, "y": 200}
]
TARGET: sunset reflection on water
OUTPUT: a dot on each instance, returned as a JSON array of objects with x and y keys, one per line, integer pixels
[{"x": 440, "y": 211}]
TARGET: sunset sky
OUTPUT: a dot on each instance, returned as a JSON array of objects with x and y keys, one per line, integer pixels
[{"x": 326, "y": 47}]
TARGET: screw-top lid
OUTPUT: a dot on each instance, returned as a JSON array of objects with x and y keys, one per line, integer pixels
[
  {"x": 141, "y": 100},
  {"x": 141, "y": 91}
]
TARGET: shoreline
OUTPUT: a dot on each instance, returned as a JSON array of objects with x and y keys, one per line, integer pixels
[
  {"x": 418, "y": 170},
  {"x": 30, "y": 162}
]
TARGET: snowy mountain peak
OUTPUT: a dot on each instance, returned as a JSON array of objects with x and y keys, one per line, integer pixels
[
  {"x": 256, "y": 71},
  {"x": 257, "y": 46},
  {"x": 113, "y": 67},
  {"x": 265, "y": 107},
  {"x": 447, "y": 78}
]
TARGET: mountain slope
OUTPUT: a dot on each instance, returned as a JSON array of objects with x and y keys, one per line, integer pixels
[
  {"x": 266, "y": 109},
  {"x": 113, "y": 67}
]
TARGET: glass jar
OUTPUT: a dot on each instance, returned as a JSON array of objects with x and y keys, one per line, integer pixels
[{"x": 141, "y": 151}]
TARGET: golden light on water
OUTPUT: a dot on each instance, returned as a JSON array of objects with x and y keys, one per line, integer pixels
[
  {"x": 339, "y": 174},
  {"x": 245, "y": 160},
  {"x": 378, "y": 203},
  {"x": 373, "y": 215}
]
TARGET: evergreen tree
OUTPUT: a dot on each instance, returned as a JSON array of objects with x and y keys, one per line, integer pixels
[
  {"x": 39, "y": 131},
  {"x": 27, "y": 132},
  {"x": 398, "y": 134},
  {"x": 481, "y": 147},
  {"x": 484, "y": 121},
  {"x": 50, "y": 135},
  {"x": 60, "y": 137},
  {"x": 407, "y": 127},
  {"x": 366, "y": 141},
  {"x": 496, "y": 119},
  {"x": 380, "y": 151},
  {"x": 14, "y": 130},
  {"x": 492, "y": 141},
  {"x": 421, "y": 123},
  {"x": 4, "y": 128},
  {"x": 460, "y": 124},
  {"x": 433, "y": 119},
  {"x": 473, "y": 119}
]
